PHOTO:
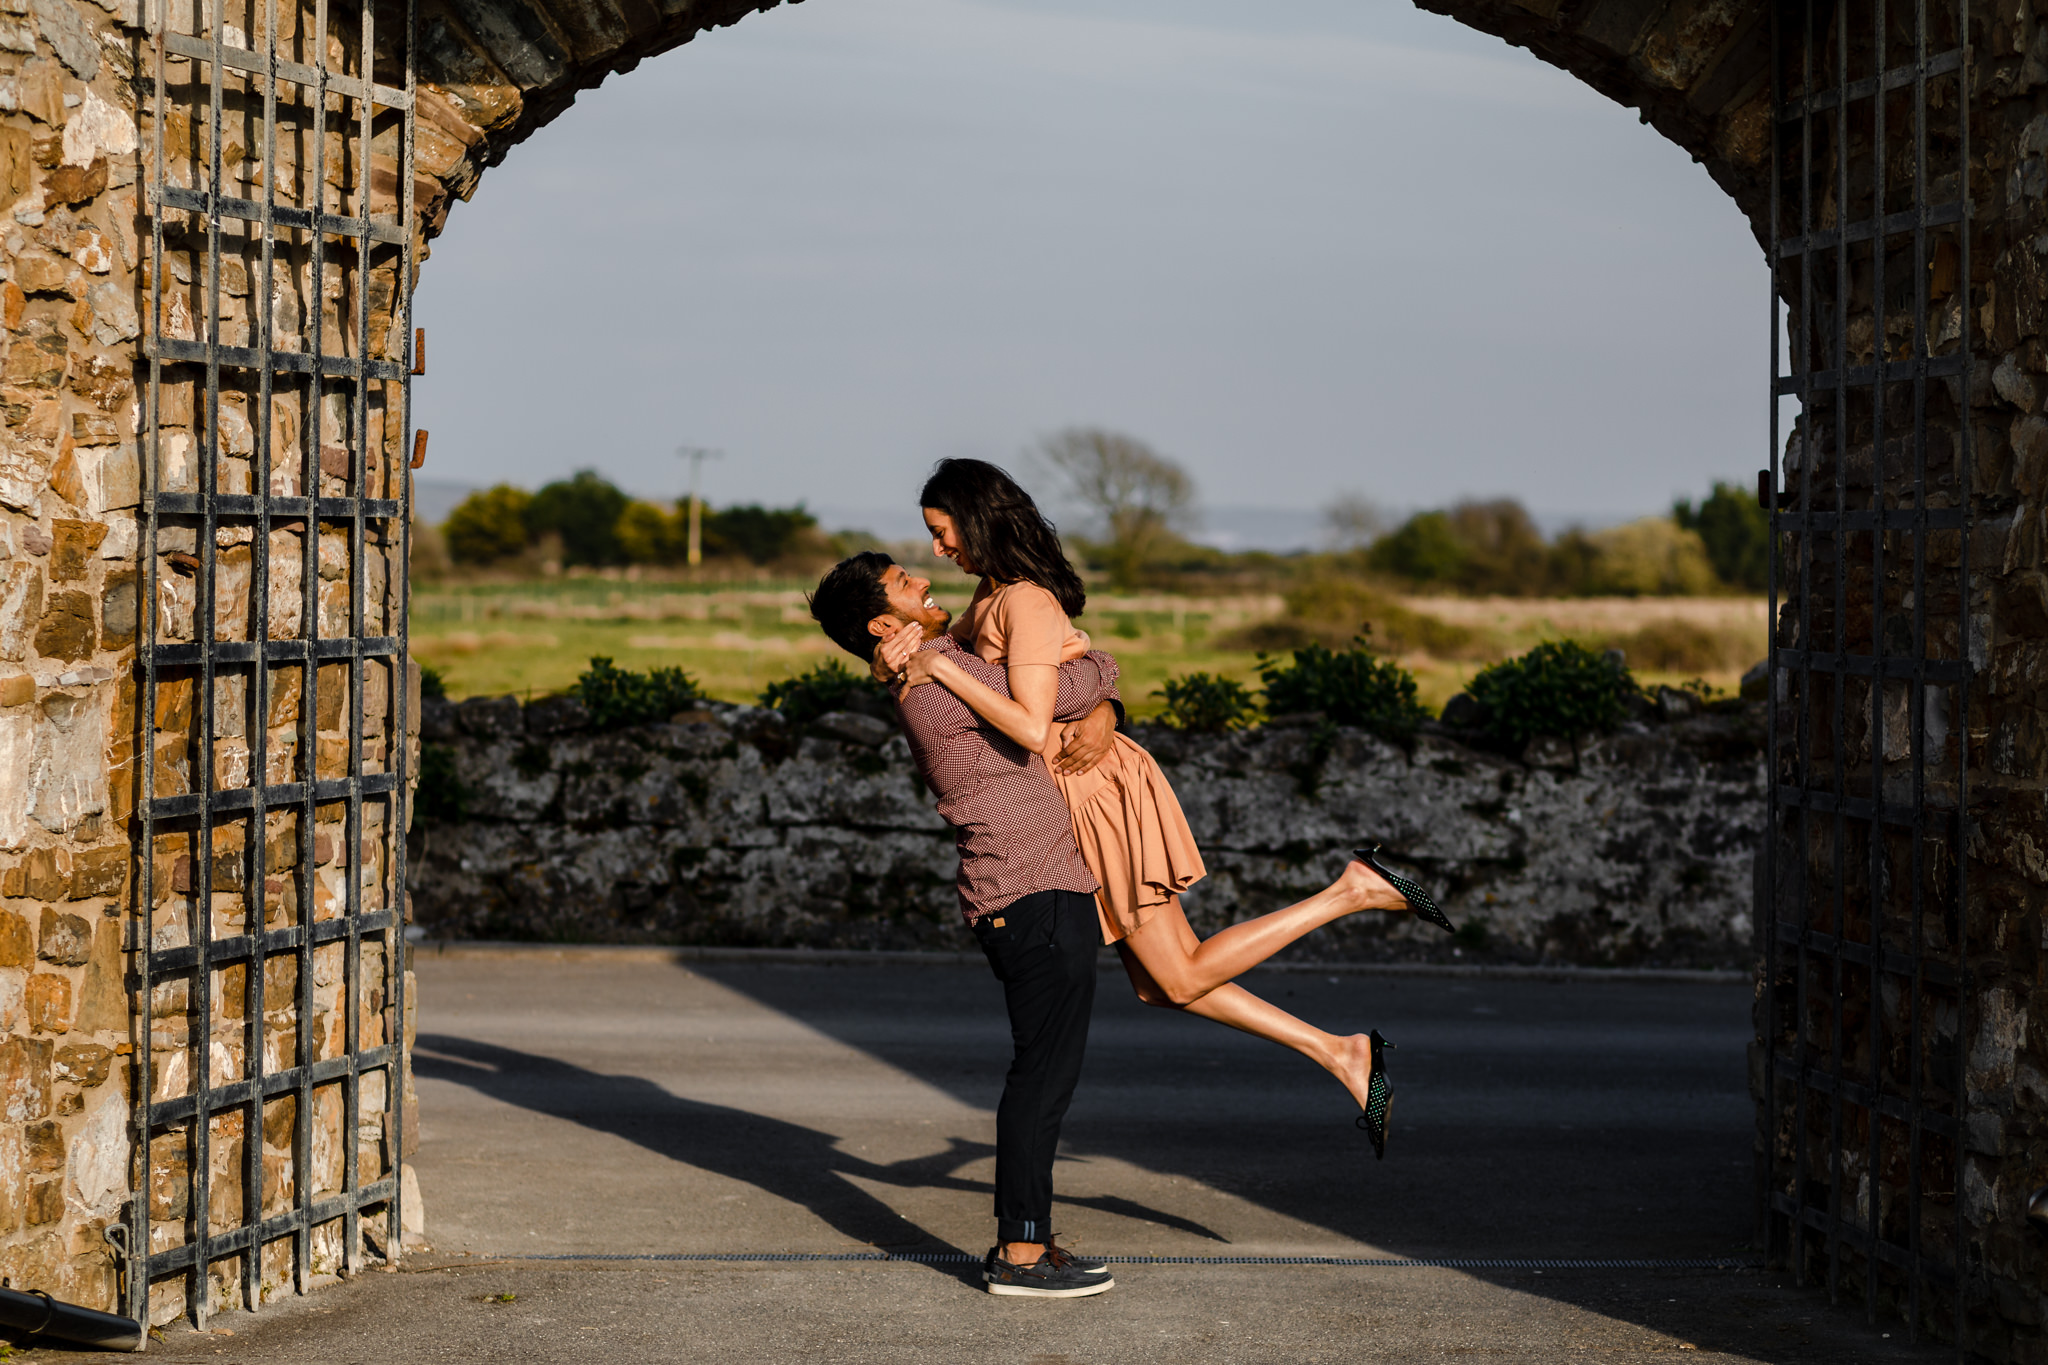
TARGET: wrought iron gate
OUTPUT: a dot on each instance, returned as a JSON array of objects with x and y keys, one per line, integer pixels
[
  {"x": 269, "y": 976},
  {"x": 1865, "y": 992}
]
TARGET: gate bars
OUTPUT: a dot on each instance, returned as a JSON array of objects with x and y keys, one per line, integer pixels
[
  {"x": 269, "y": 977},
  {"x": 1866, "y": 984}
]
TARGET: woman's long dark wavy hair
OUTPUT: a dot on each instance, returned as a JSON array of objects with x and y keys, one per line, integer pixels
[{"x": 1002, "y": 530}]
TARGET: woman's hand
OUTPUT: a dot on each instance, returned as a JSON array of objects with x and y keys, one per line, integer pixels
[
  {"x": 895, "y": 651},
  {"x": 923, "y": 667},
  {"x": 1086, "y": 742}
]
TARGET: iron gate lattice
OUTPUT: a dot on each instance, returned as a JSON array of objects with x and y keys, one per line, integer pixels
[
  {"x": 1865, "y": 993},
  {"x": 269, "y": 977}
]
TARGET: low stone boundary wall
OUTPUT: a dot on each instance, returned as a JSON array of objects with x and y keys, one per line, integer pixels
[{"x": 731, "y": 826}]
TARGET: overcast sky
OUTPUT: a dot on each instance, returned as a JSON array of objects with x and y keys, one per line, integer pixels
[{"x": 1304, "y": 247}]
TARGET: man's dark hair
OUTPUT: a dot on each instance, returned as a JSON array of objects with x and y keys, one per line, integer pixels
[{"x": 848, "y": 597}]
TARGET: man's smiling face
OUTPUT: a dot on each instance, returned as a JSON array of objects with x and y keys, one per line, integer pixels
[{"x": 910, "y": 601}]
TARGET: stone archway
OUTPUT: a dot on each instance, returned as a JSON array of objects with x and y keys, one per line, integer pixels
[
  {"x": 76, "y": 734},
  {"x": 1698, "y": 71},
  {"x": 1702, "y": 74}
]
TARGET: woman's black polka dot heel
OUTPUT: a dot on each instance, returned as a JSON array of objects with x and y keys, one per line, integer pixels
[
  {"x": 1379, "y": 1097},
  {"x": 1418, "y": 899}
]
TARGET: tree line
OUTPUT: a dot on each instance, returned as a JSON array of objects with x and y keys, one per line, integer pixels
[
  {"x": 1139, "y": 506},
  {"x": 1494, "y": 547},
  {"x": 587, "y": 520}
]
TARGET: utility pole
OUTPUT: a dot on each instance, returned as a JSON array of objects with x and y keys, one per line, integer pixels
[{"x": 697, "y": 455}]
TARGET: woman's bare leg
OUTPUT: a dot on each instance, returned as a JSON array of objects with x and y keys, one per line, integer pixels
[
  {"x": 1349, "y": 1059},
  {"x": 1188, "y": 969}
]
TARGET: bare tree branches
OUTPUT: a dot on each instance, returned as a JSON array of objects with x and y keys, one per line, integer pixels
[
  {"x": 1353, "y": 521},
  {"x": 1140, "y": 496}
]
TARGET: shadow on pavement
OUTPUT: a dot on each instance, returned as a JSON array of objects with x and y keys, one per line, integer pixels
[
  {"x": 791, "y": 1162},
  {"x": 1532, "y": 1120}
]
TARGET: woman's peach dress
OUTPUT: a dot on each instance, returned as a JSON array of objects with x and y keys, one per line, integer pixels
[{"x": 1127, "y": 820}]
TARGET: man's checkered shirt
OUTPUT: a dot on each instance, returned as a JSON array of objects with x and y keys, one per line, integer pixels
[{"x": 1009, "y": 820}]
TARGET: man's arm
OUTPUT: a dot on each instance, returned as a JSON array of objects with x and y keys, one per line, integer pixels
[
  {"x": 1112, "y": 698},
  {"x": 1085, "y": 683},
  {"x": 1087, "y": 741}
]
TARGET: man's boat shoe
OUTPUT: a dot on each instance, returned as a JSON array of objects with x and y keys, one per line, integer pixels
[
  {"x": 1049, "y": 1277},
  {"x": 1062, "y": 1256}
]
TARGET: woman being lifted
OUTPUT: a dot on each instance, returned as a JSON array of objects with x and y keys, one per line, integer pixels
[{"x": 1127, "y": 821}]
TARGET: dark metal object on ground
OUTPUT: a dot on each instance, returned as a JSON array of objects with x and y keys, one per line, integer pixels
[
  {"x": 1864, "y": 1013},
  {"x": 40, "y": 1315},
  {"x": 273, "y": 440}
]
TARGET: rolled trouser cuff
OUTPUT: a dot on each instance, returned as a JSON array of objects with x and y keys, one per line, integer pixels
[{"x": 1023, "y": 1230}]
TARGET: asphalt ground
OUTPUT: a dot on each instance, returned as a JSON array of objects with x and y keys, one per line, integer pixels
[{"x": 585, "y": 1113}]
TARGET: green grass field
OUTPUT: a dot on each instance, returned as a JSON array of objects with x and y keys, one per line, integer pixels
[{"x": 534, "y": 638}]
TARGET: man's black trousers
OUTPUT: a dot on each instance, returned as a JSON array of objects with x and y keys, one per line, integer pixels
[{"x": 1042, "y": 948}]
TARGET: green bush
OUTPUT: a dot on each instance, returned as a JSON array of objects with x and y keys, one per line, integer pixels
[
  {"x": 649, "y": 535},
  {"x": 440, "y": 795},
  {"x": 1559, "y": 688},
  {"x": 1203, "y": 704},
  {"x": 1330, "y": 608},
  {"x": 1356, "y": 687},
  {"x": 1737, "y": 533},
  {"x": 761, "y": 534},
  {"x": 616, "y": 697},
  {"x": 1502, "y": 548},
  {"x": 1649, "y": 557},
  {"x": 1424, "y": 549},
  {"x": 433, "y": 687},
  {"x": 1479, "y": 547},
  {"x": 584, "y": 511},
  {"x": 1673, "y": 645},
  {"x": 831, "y": 686},
  {"x": 487, "y": 526}
]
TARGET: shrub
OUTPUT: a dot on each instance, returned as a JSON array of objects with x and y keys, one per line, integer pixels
[
  {"x": 616, "y": 697},
  {"x": 648, "y": 535},
  {"x": 1424, "y": 549},
  {"x": 433, "y": 687},
  {"x": 1651, "y": 557},
  {"x": 584, "y": 512},
  {"x": 1481, "y": 547},
  {"x": 1331, "y": 610},
  {"x": 831, "y": 686},
  {"x": 1673, "y": 645},
  {"x": 761, "y": 534},
  {"x": 1203, "y": 704},
  {"x": 427, "y": 558},
  {"x": 1356, "y": 687},
  {"x": 1574, "y": 563},
  {"x": 1504, "y": 553},
  {"x": 487, "y": 526},
  {"x": 440, "y": 795},
  {"x": 1559, "y": 688},
  {"x": 1736, "y": 532}
]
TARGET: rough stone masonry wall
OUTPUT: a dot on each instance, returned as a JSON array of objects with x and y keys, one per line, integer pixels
[
  {"x": 2007, "y": 1072},
  {"x": 74, "y": 276},
  {"x": 736, "y": 828},
  {"x": 69, "y": 487},
  {"x": 2004, "y": 1151}
]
